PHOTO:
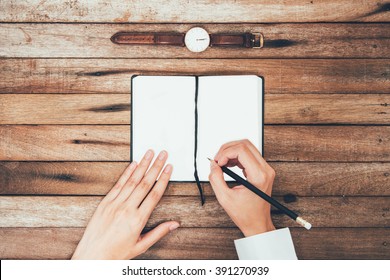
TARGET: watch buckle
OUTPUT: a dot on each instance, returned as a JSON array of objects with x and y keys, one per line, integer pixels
[{"x": 257, "y": 40}]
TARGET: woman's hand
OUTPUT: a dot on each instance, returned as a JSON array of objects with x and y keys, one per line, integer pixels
[
  {"x": 247, "y": 210},
  {"x": 114, "y": 231}
]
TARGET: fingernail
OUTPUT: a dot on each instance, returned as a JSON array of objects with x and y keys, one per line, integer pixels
[
  {"x": 149, "y": 154},
  {"x": 162, "y": 155},
  {"x": 174, "y": 226},
  {"x": 168, "y": 168},
  {"x": 133, "y": 164}
]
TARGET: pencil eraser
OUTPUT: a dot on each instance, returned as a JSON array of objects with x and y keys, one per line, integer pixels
[
  {"x": 303, "y": 223},
  {"x": 307, "y": 225}
]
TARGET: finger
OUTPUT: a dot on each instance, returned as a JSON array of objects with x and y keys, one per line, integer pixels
[
  {"x": 225, "y": 146},
  {"x": 255, "y": 152},
  {"x": 136, "y": 177},
  {"x": 112, "y": 194},
  {"x": 150, "y": 238},
  {"x": 245, "y": 142},
  {"x": 220, "y": 188},
  {"x": 143, "y": 188},
  {"x": 230, "y": 144},
  {"x": 234, "y": 162},
  {"x": 241, "y": 153},
  {"x": 258, "y": 156},
  {"x": 154, "y": 197}
]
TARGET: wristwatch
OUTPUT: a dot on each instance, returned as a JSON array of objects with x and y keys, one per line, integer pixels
[{"x": 196, "y": 39}]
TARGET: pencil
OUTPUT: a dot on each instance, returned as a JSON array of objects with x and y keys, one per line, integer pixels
[{"x": 266, "y": 197}]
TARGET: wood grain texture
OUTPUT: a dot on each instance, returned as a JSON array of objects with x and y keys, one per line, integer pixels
[
  {"x": 112, "y": 143},
  {"x": 327, "y": 143},
  {"x": 282, "y": 76},
  {"x": 280, "y": 40},
  {"x": 65, "y": 109},
  {"x": 65, "y": 134},
  {"x": 292, "y": 179},
  {"x": 202, "y": 243},
  {"x": 73, "y": 211},
  {"x": 115, "y": 109},
  {"x": 193, "y": 11},
  {"x": 327, "y": 108},
  {"x": 33, "y": 142}
]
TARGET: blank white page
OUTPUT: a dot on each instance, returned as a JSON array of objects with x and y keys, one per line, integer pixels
[
  {"x": 163, "y": 118},
  {"x": 229, "y": 108}
]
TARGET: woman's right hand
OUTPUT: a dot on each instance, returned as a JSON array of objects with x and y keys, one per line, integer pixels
[{"x": 248, "y": 211}]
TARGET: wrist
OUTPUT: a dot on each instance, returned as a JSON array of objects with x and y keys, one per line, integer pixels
[{"x": 263, "y": 227}]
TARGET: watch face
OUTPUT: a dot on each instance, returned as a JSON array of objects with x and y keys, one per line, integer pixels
[{"x": 197, "y": 39}]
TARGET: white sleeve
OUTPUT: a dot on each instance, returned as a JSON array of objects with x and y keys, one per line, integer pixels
[{"x": 272, "y": 245}]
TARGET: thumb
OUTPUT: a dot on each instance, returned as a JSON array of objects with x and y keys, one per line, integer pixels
[
  {"x": 148, "y": 239},
  {"x": 217, "y": 181}
]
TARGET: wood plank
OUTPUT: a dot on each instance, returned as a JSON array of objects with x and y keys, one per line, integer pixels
[
  {"x": 104, "y": 142},
  {"x": 292, "y": 179},
  {"x": 280, "y": 40},
  {"x": 111, "y": 143},
  {"x": 65, "y": 109},
  {"x": 113, "y": 75},
  {"x": 115, "y": 109},
  {"x": 74, "y": 211},
  {"x": 202, "y": 243},
  {"x": 327, "y": 109},
  {"x": 193, "y": 11},
  {"x": 327, "y": 143}
]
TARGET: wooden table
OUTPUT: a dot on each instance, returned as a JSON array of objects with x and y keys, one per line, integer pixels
[{"x": 65, "y": 115}]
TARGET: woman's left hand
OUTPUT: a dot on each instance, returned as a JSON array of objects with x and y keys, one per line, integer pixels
[{"x": 114, "y": 231}]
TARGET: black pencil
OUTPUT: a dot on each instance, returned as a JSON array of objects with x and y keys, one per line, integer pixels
[{"x": 266, "y": 197}]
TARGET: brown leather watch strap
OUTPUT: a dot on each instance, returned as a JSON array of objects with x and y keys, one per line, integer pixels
[
  {"x": 247, "y": 40},
  {"x": 174, "y": 39}
]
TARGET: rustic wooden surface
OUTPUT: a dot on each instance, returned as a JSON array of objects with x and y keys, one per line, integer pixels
[
  {"x": 65, "y": 115},
  {"x": 203, "y": 243},
  {"x": 205, "y": 11},
  {"x": 63, "y": 211},
  {"x": 281, "y": 40}
]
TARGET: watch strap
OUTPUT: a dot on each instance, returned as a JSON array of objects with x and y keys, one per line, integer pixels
[
  {"x": 247, "y": 40},
  {"x": 127, "y": 38}
]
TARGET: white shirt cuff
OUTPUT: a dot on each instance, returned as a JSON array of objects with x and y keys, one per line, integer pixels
[{"x": 272, "y": 245}]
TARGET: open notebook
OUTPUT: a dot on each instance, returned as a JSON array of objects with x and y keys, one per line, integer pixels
[{"x": 164, "y": 117}]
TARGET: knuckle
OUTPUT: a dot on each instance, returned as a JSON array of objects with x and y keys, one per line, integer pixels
[
  {"x": 146, "y": 183},
  {"x": 261, "y": 179},
  {"x": 271, "y": 173},
  {"x": 144, "y": 163},
  {"x": 155, "y": 195},
  {"x": 163, "y": 180},
  {"x": 132, "y": 182},
  {"x": 164, "y": 177},
  {"x": 223, "y": 146},
  {"x": 242, "y": 147}
]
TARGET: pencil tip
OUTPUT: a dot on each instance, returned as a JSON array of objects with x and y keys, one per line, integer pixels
[{"x": 209, "y": 159}]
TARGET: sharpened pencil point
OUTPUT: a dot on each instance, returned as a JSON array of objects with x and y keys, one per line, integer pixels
[{"x": 209, "y": 159}]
